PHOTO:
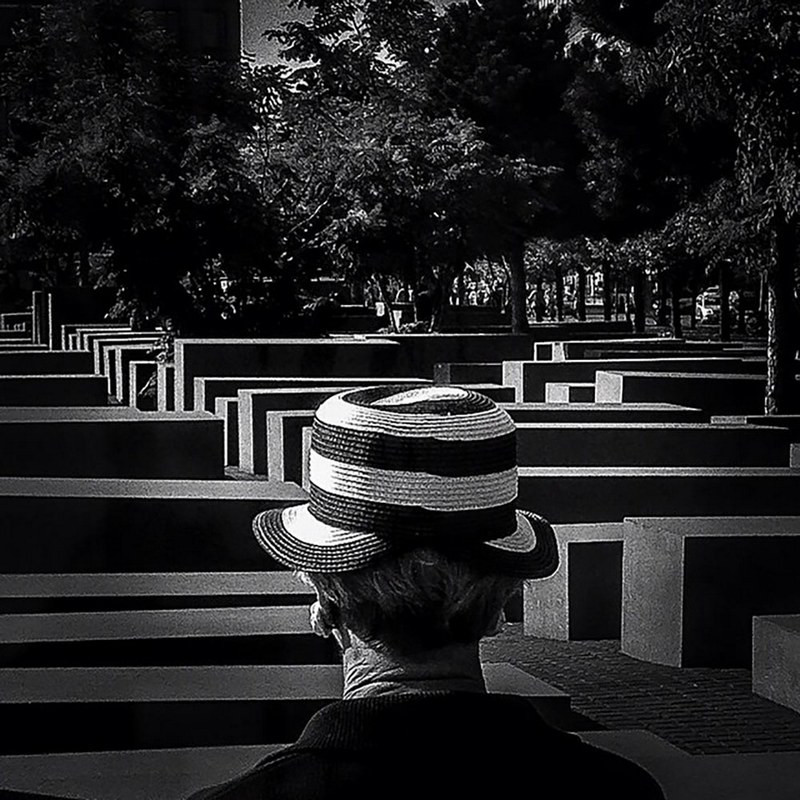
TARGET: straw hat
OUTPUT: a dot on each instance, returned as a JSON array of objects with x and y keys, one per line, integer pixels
[{"x": 394, "y": 468}]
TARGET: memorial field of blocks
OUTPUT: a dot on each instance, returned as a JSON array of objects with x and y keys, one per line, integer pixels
[{"x": 144, "y": 633}]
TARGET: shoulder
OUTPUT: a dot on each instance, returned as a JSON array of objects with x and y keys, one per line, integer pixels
[
  {"x": 608, "y": 772},
  {"x": 287, "y": 773}
]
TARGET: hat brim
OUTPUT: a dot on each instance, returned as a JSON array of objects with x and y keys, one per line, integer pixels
[{"x": 297, "y": 539}]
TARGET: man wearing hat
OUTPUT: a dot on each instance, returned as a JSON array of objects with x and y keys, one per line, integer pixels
[{"x": 413, "y": 545}]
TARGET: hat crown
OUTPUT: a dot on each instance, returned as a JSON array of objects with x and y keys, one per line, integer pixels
[{"x": 414, "y": 462}]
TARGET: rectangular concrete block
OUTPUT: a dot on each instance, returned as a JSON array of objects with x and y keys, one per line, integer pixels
[
  {"x": 530, "y": 377},
  {"x": 569, "y": 393},
  {"x": 15, "y": 320},
  {"x": 420, "y": 352},
  {"x": 253, "y": 407},
  {"x": 285, "y": 444},
  {"x": 566, "y": 350},
  {"x": 227, "y": 409},
  {"x": 249, "y": 435},
  {"x": 121, "y": 357},
  {"x": 610, "y": 444},
  {"x": 53, "y": 390},
  {"x": 101, "y": 349},
  {"x": 602, "y": 412},
  {"x": 142, "y": 389},
  {"x": 203, "y": 706},
  {"x": 229, "y": 635},
  {"x": 692, "y": 586},
  {"x": 280, "y": 358},
  {"x": 462, "y": 372},
  {"x": 776, "y": 659},
  {"x": 207, "y": 390},
  {"x": 165, "y": 386},
  {"x": 44, "y": 363},
  {"x": 582, "y": 599},
  {"x": 154, "y": 446},
  {"x": 718, "y": 394},
  {"x": 71, "y": 330},
  {"x": 609, "y": 494},
  {"x": 104, "y": 525},
  {"x": 791, "y": 422}
]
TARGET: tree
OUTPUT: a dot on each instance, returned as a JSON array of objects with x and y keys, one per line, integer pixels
[
  {"x": 405, "y": 185},
  {"x": 734, "y": 65},
  {"x": 504, "y": 65},
  {"x": 739, "y": 61},
  {"x": 122, "y": 144}
]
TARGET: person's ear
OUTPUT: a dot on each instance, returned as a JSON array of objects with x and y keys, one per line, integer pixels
[
  {"x": 321, "y": 622},
  {"x": 325, "y": 622}
]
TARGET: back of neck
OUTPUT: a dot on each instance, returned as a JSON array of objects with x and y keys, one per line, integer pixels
[{"x": 370, "y": 673}]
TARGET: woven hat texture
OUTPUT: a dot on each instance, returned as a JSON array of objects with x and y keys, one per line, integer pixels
[{"x": 393, "y": 468}]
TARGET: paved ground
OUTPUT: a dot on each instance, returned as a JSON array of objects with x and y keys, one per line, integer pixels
[{"x": 702, "y": 711}]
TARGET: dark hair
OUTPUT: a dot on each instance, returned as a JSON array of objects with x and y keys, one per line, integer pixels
[{"x": 420, "y": 600}]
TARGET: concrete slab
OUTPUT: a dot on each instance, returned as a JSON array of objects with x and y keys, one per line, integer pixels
[
  {"x": 44, "y": 363},
  {"x": 285, "y": 444},
  {"x": 167, "y": 774},
  {"x": 466, "y": 372},
  {"x": 71, "y": 330},
  {"x": 230, "y": 635},
  {"x": 789, "y": 421},
  {"x": 207, "y": 390},
  {"x": 165, "y": 385},
  {"x": 356, "y": 357},
  {"x": 745, "y": 776},
  {"x": 718, "y": 394},
  {"x": 582, "y": 599},
  {"x": 253, "y": 407},
  {"x": 101, "y": 351},
  {"x": 691, "y": 586},
  {"x": 602, "y": 412},
  {"x": 167, "y": 707},
  {"x": 227, "y": 409},
  {"x": 609, "y": 494},
  {"x": 118, "y": 525},
  {"x": 185, "y": 445},
  {"x": 569, "y": 393},
  {"x": 530, "y": 377},
  {"x": 776, "y": 658},
  {"x": 50, "y": 390},
  {"x": 140, "y": 375},
  {"x": 121, "y": 357},
  {"x": 611, "y": 444}
]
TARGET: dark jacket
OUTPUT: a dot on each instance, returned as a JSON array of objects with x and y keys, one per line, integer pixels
[{"x": 437, "y": 745}]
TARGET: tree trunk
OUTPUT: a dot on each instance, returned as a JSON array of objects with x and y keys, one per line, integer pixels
[
  {"x": 539, "y": 305},
  {"x": 724, "y": 301},
  {"x": 663, "y": 299},
  {"x": 559, "y": 281},
  {"x": 639, "y": 319},
  {"x": 675, "y": 301},
  {"x": 781, "y": 324},
  {"x": 741, "y": 316},
  {"x": 608, "y": 292},
  {"x": 83, "y": 265},
  {"x": 693, "y": 310},
  {"x": 580, "y": 299},
  {"x": 516, "y": 274}
]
